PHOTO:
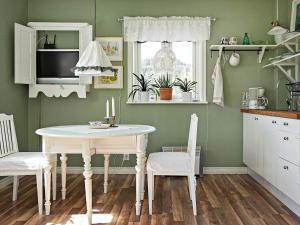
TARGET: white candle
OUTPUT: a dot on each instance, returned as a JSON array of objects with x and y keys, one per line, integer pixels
[
  {"x": 107, "y": 109},
  {"x": 113, "y": 113}
]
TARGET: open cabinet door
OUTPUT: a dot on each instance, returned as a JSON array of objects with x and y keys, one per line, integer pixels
[{"x": 25, "y": 55}]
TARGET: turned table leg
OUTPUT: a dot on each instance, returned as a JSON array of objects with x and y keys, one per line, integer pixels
[
  {"x": 47, "y": 177},
  {"x": 138, "y": 169},
  {"x": 86, "y": 155},
  {"x": 106, "y": 167},
  {"x": 63, "y": 166},
  {"x": 143, "y": 176}
]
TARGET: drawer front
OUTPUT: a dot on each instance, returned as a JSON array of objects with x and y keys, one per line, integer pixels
[
  {"x": 288, "y": 180},
  {"x": 290, "y": 126},
  {"x": 289, "y": 147}
]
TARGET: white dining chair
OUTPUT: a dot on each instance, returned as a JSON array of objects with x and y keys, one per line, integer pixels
[
  {"x": 175, "y": 164},
  {"x": 15, "y": 163}
]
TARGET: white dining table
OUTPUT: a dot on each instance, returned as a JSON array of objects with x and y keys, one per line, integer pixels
[{"x": 81, "y": 139}]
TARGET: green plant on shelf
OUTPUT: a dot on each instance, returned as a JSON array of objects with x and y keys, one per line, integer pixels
[
  {"x": 144, "y": 85},
  {"x": 185, "y": 85}
]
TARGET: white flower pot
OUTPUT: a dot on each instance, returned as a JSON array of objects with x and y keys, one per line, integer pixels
[
  {"x": 144, "y": 96},
  {"x": 186, "y": 96}
]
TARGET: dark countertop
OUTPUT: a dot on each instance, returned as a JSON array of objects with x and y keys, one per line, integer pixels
[{"x": 277, "y": 113}]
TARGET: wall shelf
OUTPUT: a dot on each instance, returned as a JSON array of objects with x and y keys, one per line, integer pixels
[
  {"x": 260, "y": 49},
  {"x": 285, "y": 64},
  {"x": 294, "y": 39},
  {"x": 241, "y": 47}
]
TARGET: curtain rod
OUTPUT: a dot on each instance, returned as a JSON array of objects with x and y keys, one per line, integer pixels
[{"x": 211, "y": 18}]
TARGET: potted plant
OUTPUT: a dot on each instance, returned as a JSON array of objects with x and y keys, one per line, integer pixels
[
  {"x": 143, "y": 87},
  {"x": 164, "y": 85},
  {"x": 186, "y": 86}
]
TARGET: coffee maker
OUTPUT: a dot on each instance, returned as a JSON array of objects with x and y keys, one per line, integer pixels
[{"x": 257, "y": 99}]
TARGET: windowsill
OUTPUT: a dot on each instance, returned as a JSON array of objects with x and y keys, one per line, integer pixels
[{"x": 169, "y": 102}]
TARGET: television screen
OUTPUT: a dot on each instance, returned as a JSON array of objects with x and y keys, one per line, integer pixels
[{"x": 52, "y": 64}]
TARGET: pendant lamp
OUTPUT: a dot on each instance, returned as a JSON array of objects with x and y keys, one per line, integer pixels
[
  {"x": 164, "y": 60},
  {"x": 93, "y": 62},
  {"x": 277, "y": 30}
]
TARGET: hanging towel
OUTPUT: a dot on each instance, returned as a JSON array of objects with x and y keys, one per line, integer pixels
[{"x": 217, "y": 80}]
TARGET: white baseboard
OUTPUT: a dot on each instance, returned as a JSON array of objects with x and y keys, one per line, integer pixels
[
  {"x": 131, "y": 170},
  {"x": 277, "y": 193},
  {"x": 225, "y": 170}
]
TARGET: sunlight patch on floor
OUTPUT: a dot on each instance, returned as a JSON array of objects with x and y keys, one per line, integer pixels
[{"x": 81, "y": 219}]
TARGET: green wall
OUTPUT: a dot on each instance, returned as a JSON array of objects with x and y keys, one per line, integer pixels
[
  {"x": 13, "y": 98},
  {"x": 220, "y": 130}
]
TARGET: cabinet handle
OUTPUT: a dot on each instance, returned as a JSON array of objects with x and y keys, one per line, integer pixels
[
  {"x": 286, "y": 138},
  {"x": 285, "y": 124},
  {"x": 285, "y": 167}
]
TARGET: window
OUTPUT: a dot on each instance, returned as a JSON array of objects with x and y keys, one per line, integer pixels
[{"x": 190, "y": 63}]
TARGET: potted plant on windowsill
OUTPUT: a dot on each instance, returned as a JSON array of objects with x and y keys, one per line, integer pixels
[
  {"x": 143, "y": 88},
  {"x": 186, "y": 86},
  {"x": 164, "y": 87}
]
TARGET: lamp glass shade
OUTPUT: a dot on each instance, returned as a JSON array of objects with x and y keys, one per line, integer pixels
[
  {"x": 164, "y": 60},
  {"x": 93, "y": 62}
]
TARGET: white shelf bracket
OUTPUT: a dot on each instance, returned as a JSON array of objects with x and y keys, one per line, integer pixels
[
  {"x": 261, "y": 54},
  {"x": 287, "y": 73},
  {"x": 221, "y": 50},
  {"x": 289, "y": 47}
]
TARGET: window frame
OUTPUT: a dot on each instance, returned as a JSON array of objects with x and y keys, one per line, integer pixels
[{"x": 199, "y": 73}]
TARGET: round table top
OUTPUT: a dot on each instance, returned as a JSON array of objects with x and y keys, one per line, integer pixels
[{"x": 84, "y": 131}]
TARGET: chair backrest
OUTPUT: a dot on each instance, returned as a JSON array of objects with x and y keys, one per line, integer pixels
[
  {"x": 8, "y": 138},
  {"x": 192, "y": 142}
]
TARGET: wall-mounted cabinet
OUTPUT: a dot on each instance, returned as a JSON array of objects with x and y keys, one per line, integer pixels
[{"x": 49, "y": 70}]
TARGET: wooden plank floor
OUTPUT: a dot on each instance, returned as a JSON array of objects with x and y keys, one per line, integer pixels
[{"x": 221, "y": 199}]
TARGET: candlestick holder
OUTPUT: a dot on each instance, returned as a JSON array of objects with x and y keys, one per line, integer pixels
[
  {"x": 107, "y": 120},
  {"x": 113, "y": 122}
]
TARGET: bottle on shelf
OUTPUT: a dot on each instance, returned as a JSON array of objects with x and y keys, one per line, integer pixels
[{"x": 246, "y": 39}]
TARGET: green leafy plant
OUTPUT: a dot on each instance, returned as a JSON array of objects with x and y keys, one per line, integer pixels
[
  {"x": 143, "y": 85},
  {"x": 163, "y": 82},
  {"x": 185, "y": 85}
]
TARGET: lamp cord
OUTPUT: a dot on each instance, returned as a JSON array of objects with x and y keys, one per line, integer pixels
[
  {"x": 277, "y": 10},
  {"x": 95, "y": 18}
]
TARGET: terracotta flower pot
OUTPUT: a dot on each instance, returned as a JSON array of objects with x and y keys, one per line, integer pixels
[{"x": 165, "y": 93}]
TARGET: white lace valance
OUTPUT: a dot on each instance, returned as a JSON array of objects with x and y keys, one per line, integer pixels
[{"x": 166, "y": 29}]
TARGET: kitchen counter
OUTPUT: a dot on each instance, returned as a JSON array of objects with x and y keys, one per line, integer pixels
[{"x": 277, "y": 113}]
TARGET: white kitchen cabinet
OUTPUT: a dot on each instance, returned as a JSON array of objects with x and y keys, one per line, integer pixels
[
  {"x": 289, "y": 147},
  {"x": 26, "y": 61},
  {"x": 272, "y": 149},
  {"x": 253, "y": 142},
  {"x": 288, "y": 180}
]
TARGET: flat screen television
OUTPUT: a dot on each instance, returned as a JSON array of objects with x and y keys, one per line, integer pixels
[{"x": 56, "y": 64}]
